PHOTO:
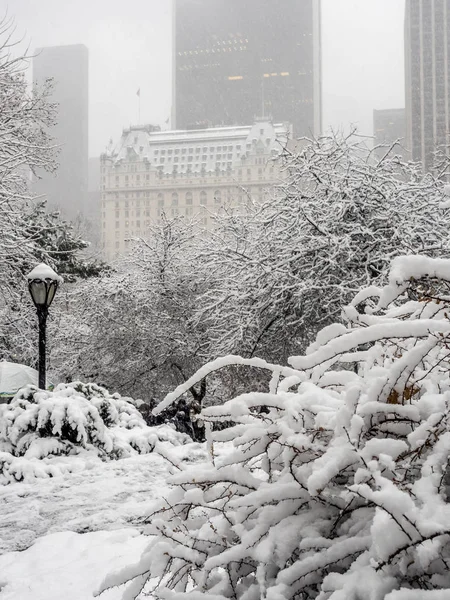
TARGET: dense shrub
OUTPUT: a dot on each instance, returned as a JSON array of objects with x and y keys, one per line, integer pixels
[
  {"x": 338, "y": 483},
  {"x": 72, "y": 419}
]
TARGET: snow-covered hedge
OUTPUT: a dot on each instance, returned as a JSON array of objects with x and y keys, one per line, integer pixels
[
  {"x": 338, "y": 484},
  {"x": 74, "y": 418}
]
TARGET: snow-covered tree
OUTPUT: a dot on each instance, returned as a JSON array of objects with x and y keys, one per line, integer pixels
[
  {"x": 29, "y": 235},
  {"x": 26, "y": 117},
  {"x": 132, "y": 328},
  {"x": 284, "y": 268},
  {"x": 336, "y": 483}
]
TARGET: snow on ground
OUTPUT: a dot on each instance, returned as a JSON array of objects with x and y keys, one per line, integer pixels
[
  {"x": 68, "y": 565},
  {"x": 51, "y": 539}
]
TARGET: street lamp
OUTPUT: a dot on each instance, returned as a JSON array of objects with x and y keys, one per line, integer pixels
[{"x": 42, "y": 284}]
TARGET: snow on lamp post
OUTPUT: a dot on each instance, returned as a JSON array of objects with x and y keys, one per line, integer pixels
[{"x": 42, "y": 284}]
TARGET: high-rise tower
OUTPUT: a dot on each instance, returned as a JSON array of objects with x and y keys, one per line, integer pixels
[
  {"x": 427, "y": 53},
  {"x": 238, "y": 60},
  {"x": 67, "y": 66}
]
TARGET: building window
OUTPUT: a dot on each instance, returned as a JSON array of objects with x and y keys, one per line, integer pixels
[
  {"x": 203, "y": 198},
  {"x": 189, "y": 198},
  {"x": 174, "y": 199},
  {"x": 160, "y": 200},
  {"x": 117, "y": 224},
  {"x": 218, "y": 197}
]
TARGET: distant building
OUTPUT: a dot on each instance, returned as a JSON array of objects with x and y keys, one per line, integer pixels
[
  {"x": 184, "y": 173},
  {"x": 237, "y": 60},
  {"x": 389, "y": 126},
  {"x": 92, "y": 223},
  {"x": 94, "y": 187},
  {"x": 68, "y": 67},
  {"x": 427, "y": 59}
]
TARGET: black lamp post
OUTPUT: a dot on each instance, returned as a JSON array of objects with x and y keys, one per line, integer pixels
[{"x": 42, "y": 284}]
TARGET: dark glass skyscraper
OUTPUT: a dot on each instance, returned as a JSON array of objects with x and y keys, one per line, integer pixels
[
  {"x": 236, "y": 60},
  {"x": 67, "y": 66},
  {"x": 427, "y": 58}
]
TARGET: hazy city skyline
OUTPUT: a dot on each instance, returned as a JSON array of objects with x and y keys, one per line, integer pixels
[{"x": 130, "y": 47}]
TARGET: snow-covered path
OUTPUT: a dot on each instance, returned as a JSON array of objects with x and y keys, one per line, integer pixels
[
  {"x": 68, "y": 565},
  {"x": 59, "y": 537},
  {"x": 105, "y": 496}
]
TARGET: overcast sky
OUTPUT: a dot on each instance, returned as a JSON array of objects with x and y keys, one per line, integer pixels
[{"x": 130, "y": 47}]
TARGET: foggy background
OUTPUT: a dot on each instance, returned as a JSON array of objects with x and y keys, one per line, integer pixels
[{"x": 130, "y": 47}]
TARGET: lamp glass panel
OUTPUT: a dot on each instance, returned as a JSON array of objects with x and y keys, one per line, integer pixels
[
  {"x": 38, "y": 290},
  {"x": 52, "y": 285}
]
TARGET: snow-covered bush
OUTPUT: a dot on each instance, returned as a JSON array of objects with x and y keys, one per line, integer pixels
[
  {"x": 337, "y": 486},
  {"x": 75, "y": 417}
]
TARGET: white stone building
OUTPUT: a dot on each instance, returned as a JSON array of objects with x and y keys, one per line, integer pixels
[{"x": 183, "y": 173}]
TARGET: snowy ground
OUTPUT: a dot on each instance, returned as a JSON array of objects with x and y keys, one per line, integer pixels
[
  {"x": 59, "y": 537},
  {"x": 68, "y": 565}
]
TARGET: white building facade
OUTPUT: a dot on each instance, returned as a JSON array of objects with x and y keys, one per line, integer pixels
[{"x": 184, "y": 173}]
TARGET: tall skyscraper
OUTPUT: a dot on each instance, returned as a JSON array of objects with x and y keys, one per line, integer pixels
[
  {"x": 238, "y": 60},
  {"x": 67, "y": 66},
  {"x": 427, "y": 54}
]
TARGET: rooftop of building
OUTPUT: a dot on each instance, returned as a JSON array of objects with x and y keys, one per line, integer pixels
[
  {"x": 219, "y": 148},
  {"x": 63, "y": 48}
]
